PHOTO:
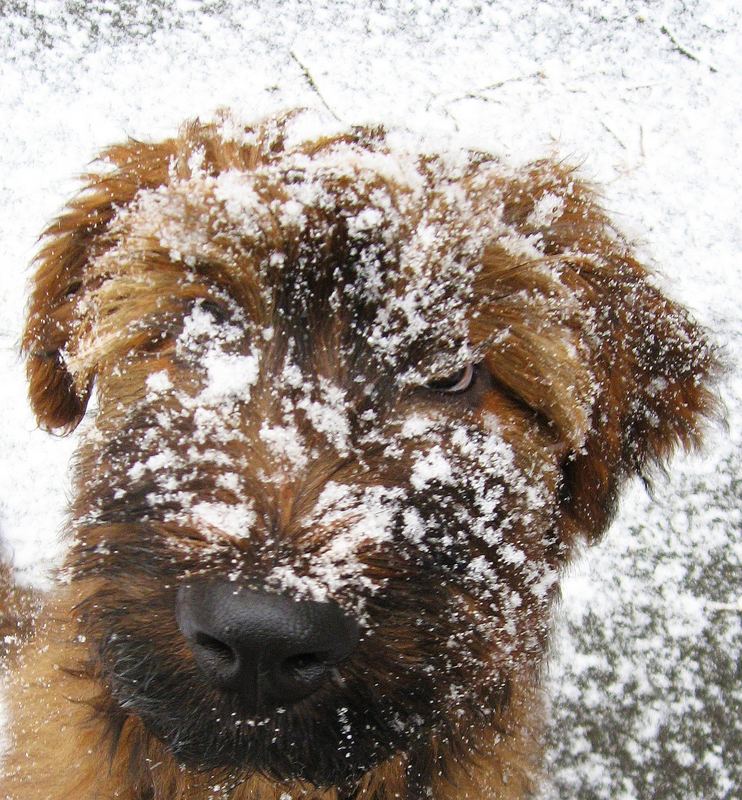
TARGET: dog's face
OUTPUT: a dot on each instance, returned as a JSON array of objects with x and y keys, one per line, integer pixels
[{"x": 355, "y": 405}]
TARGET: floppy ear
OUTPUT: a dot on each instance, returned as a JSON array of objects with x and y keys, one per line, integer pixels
[
  {"x": 59, "y": 283},
  {"x": 654, "y": 373},
  {"x": 652, "y": 366},
  {"x": 63, "y": 279},
  {"x": 622, "y": 374}
]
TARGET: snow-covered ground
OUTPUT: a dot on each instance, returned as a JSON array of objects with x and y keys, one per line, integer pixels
[{"x": 645, "y": 95}]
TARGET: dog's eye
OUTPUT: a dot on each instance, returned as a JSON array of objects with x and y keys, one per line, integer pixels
[{"x": 456, "y": 383}]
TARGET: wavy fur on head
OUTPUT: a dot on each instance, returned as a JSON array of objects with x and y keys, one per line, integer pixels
[{"x": 332, "y": 366}]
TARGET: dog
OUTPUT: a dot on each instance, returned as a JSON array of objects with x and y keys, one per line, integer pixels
[{"x": 357, "y": 404}]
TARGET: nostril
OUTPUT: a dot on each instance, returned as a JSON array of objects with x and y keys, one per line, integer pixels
[
  {"x": 223, "y": 652},
  {"x": 303, "y": 660},
  {"x": 307, "y": 664}
]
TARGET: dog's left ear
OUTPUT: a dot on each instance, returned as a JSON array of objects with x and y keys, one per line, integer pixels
[
  {"x": 584, "y": 337},
  {"x": 654, "y": 373},
  {"x": 58, "y": 396}
]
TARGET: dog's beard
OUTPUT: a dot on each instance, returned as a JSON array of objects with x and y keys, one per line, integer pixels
[{"x": 329, "y": 739}]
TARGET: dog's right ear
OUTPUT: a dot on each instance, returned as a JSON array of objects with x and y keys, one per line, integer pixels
[{"x": 60, "y": 281}]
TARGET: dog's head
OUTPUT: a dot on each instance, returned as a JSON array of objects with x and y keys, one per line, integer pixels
[{"x": 355, "y": 406}]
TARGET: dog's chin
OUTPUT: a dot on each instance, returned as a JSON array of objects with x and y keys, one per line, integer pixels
[
  {"x": 322, "y": 742},
  {"x": 280, "y": 753},
  {"x": 339, "y": 773}
]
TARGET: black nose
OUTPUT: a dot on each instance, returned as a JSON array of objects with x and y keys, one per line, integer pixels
[{"x": 268, "y": 648}]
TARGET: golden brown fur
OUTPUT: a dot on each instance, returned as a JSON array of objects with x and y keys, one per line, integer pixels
[{"x": 585, "y": 375}]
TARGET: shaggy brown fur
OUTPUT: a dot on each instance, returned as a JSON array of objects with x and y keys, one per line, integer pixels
[{"x": 340, "y": 369}]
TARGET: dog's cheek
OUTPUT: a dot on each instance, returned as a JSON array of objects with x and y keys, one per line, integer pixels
[{"x": 482, "y": 519}]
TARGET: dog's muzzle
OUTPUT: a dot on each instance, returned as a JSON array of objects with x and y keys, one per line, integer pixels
[{"x": 268, "y": 649}]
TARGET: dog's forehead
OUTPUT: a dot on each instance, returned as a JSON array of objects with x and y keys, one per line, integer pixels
[
  {"x": 387, "y": 242},
  {"x": 359, "y": 256}
]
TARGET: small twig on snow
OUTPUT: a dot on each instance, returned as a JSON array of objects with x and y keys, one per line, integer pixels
[
  {"x": 478, "y": 94},
  {"x": 493, "y": 86},
  {"x": 613, "y": 134},
  {"x": 684, "y": 50},
  {"x": 452, "y": 118},
  {"x": 312, "y": 85}
]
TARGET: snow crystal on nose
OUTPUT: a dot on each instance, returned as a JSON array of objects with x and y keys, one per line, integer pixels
[
  {"x": 354, "y": 521},
  {"x": 285, "y": 443}
]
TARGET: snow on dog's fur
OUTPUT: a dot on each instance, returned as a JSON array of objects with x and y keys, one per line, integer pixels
[{"x": 332, "y": 372}]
